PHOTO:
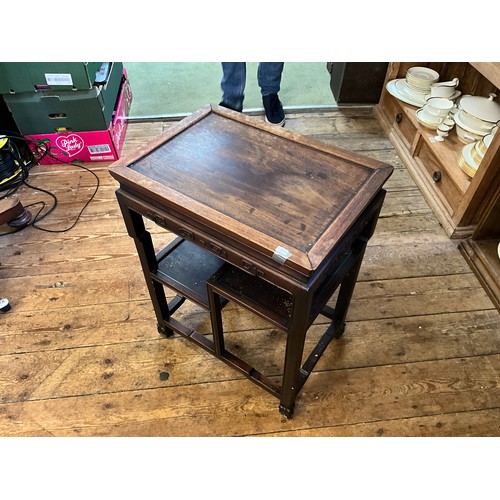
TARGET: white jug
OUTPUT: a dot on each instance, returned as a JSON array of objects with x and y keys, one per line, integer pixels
[{"x": 444, "y": 89}]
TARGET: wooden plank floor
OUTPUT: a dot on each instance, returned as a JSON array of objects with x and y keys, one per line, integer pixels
[{"x": 80, "y": 354}]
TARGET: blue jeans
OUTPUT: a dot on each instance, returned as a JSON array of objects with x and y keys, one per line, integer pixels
[{"x": 234, "y": 80}]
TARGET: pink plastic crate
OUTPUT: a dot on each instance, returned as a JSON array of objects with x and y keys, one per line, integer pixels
[{"x": 93, "y": 146}]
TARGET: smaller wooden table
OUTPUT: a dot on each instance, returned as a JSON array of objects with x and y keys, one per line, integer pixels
[{"x": 265, "y": 217}]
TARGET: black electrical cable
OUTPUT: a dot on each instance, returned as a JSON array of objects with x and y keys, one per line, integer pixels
[
  {"x": 43, "y": 151},
  {"x": 13, "y": 170},
  {"x": 38, "y": 219}
]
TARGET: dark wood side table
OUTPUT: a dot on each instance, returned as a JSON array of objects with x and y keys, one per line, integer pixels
[{"x": 265, "y": 217}]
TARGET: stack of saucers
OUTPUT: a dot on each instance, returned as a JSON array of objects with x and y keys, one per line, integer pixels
[
  {"x": 415, "y": 87},
  {"x": 473, "y": 153},
  {"x": 466, "y": 162},
  {"x": 419, "y": 79},
  {"x": 477, "y": 152}
]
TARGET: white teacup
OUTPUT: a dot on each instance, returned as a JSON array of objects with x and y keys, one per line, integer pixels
[
  {"x": 439, "y": 106},
  {"x": 429, "y": 117}
]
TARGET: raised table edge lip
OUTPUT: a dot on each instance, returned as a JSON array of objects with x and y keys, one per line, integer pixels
[{"x": 302, "y": 263}]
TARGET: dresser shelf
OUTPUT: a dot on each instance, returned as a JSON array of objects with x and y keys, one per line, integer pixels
[
  {"x": 467, "y": 209},
  {"x": 456, "y": 199}
]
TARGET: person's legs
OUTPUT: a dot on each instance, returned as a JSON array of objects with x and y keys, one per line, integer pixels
[
  {"x": 233, "y": 85},
  {"x": 269, "y": 79}
]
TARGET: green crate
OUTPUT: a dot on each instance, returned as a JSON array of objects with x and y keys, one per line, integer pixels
[
  {"x": 16, "y": 77},
  {"x": 51, "y": 111}
]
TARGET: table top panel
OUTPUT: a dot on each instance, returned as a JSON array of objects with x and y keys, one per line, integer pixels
[{"x": 271, "y": 186}]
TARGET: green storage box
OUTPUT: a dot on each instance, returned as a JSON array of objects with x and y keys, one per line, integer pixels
[
  {"x": 16, "y": 77},
  {"x": 82, "y": 110}
]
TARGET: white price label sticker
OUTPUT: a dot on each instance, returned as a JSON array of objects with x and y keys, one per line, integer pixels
[{"x": 58, "y": 79}]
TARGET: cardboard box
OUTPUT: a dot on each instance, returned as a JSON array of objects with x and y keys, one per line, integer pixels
[
  {"x": 18, "y": 77},
  {"x": 86, "y": 146},
  {"x": 51, "y": 111}
]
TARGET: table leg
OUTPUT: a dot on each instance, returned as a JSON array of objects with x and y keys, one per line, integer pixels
[
  {"x": 216, "y": 320},
  {"x": 349, "y": 282},
  {"x": 145, "y": 250},
  {"x": 293, "y": 352},
  {"x": 344, "y": 297},
  {"x": 294, "y": 374}
]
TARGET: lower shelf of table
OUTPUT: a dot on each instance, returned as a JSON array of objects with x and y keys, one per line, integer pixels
[
  {"x": 189, "y": 270},
  {"x": 259, "y": 296},
  {"x": 185, "y": 267}
]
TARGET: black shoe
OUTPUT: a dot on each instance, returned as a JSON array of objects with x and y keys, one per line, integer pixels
[
  {"x": 224, "y": 105},
  {"x": 274, "y": 110}
]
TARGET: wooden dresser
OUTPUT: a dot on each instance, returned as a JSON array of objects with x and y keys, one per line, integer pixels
[{"x": 466, "y": 208}]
